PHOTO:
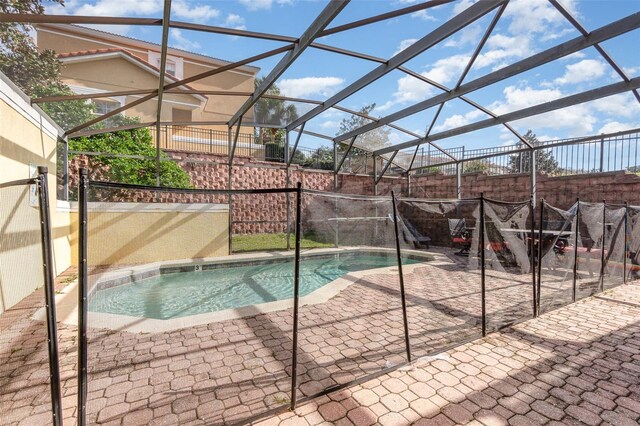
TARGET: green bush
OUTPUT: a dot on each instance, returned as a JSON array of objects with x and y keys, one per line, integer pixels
[{"x": 130, "y": 170}]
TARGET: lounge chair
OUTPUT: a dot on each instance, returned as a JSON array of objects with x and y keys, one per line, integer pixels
[
  {"x": 416, "y": 237},
  {"x": 460, "y": 235}
]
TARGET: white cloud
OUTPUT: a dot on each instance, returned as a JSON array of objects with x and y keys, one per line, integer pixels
[
  {"x": 404, "y": 44},
  {"x": 535, "y": 16},
  {"x": 423, "y": 14},
  {"x": 253, "y": 5},
  {"x": 330, "y": 124},
  {"x": 470, "y": 35},
  {"x": 457, "y": 120},
  {"x": 191, "y": 11},
  {"x": 233, "y": 19},
  {"x": 448, "y": 69},
  {"x": 517, "y": 98},
  {"x": 301, "y": 87},
  {"x": 236, "y": 22},
  {"x": 616, "y": 126},
  {"x": 556, "y": 35},
  {"x": 411, "y": 89},
  {"x": 503, "y": 49},
  {"x": 585, "y": 70},
  {"x": 462, "y": 5},
  {"x": 616, "y": 106},
  {"x": 577, "y": 119},
  {"x": 179, "y": 41},
  {"x": 575, "y": 55},
  {"x": 196, "y": 13},
  {"x": 120, "y": 8}
]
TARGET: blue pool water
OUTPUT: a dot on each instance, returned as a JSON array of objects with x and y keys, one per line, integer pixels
[{"x": 182, "y": 294}]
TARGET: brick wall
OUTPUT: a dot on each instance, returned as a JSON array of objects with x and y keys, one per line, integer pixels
[{"x": 268, "y": 213}]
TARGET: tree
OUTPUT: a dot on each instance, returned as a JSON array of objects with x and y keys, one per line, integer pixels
[
  {"x": 521, "y": 162},
  {"x": 19, "y": 57},
  {"x": 67, "y": 114},
  {"x": 477, "y": 166},
  {"x": 370, "y": 140},
  {"x": 37, "y": 73},
  {"x": 274, "y": 112},
  {"x": 321, "y": 158},
  {"x": 130, "y": 170}
]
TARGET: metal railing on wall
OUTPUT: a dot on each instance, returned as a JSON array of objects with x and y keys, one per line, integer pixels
[
  {"x": 37, "y": 196},
  {"x": 586, "y": 243},
  {"x": 563, "y": 157}
]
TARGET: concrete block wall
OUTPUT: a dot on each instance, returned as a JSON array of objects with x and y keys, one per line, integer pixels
[
  {"x": 268, "y": 212},
  {"x": 559, "y": 191}
]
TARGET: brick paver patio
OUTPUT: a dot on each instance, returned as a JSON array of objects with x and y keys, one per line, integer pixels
[{"x": 576, "y": 364}]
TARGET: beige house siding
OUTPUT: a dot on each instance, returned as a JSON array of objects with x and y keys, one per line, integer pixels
[
  {"x": 106, "y": 74},
  {"x": 27, "y": 139},
  {"x": 67, "y": 39}
]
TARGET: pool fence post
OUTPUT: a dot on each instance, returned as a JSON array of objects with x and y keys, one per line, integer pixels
[
  {"x": 296, "y": 298},
  {"x": 626, "y": 237},
  {"x": 230, "y": 197},
  {"x": 602, "y": 245},
  {"x": 575, "y": 252},
  {"x": 336, "y": 236},
  {"x": 483, "y": 267},
  {"x": 286, "y": 162},
  {"x": 82, "y": 296},
  {"x": 401, "y": 277},
  {"x": 539, "y": 280},
  {"x": 50, "y": 298}
]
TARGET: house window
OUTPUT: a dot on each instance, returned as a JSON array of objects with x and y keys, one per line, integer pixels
[
  {"x": 174, "y": 66},
  {"x": 103, "y": 106},
  {"x": 170, "y": 68}
]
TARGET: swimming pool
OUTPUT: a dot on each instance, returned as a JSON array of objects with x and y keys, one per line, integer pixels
[{"x": 186, "y": 291}]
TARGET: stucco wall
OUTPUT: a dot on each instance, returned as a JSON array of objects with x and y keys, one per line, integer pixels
[
  {"x": 65, "y": 39},
  {"x": 26, "y": 138},
  {"x": 135, "y": 233}
]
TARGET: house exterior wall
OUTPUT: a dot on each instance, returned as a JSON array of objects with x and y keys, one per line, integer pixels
[
  {"x": 107, "y": 75},
  {"x": 66, "y": 39},
  {"x": 27, "y": 139}
]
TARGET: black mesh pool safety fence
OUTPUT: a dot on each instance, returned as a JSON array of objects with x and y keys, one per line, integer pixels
[
  {"x": 190, "y": 332},
  {"x": 351, "y": 320},
  {"x": 28, "y": 352},
  {"x": 509, "y": 266},
  {"x": 370, "y": 284},
  {"x": 442, "y": 307},
  {"x": 556, "y": 256}
]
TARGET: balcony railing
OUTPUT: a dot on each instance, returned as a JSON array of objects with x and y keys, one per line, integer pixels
[{"x": 211, "y": 141}]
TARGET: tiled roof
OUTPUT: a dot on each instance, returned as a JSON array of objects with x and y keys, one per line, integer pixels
[{"x": 97, "y": 32}]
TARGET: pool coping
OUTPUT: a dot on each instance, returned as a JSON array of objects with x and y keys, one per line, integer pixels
[{"x": 67, "y": 309}]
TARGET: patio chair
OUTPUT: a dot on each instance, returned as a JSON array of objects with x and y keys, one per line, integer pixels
[
  {"x": 460, "y": 235},
  {"x": 416, "y": 237}
]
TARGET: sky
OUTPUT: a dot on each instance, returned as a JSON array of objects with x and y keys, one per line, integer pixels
[{"x": 525, "y": 28}]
